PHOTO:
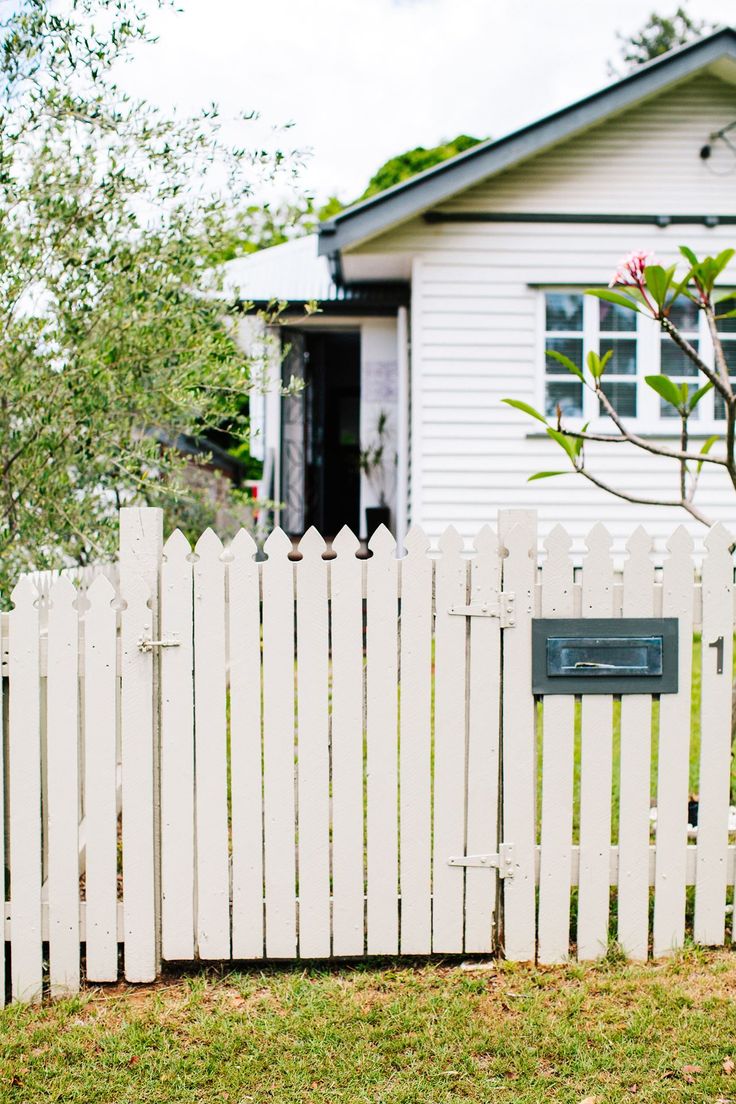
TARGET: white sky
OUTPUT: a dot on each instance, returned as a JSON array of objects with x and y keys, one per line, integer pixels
[{"x": 362, "y": 80}]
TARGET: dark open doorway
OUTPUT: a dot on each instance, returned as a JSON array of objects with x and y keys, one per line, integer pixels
[{"x": 333, "y": 431}]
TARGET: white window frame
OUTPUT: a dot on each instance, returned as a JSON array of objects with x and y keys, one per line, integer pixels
[{"x": 648, "y": 419}]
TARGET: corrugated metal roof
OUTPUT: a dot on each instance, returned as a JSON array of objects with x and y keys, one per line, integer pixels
[{"x": 295, "y": 273}]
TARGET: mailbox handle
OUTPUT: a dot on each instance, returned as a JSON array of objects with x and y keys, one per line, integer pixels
[{"x": 718, "y": 645}]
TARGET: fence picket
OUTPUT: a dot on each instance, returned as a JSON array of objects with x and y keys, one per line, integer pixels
[
  {"x": 558, "y": 748},
  {"x": 415, "y": 745},
  {"x": 596, "y": 766},
  {"x": 62, "y": 757},
  {"x": 382, "y": 740},
  {"x": 210, "y": 754},
  {"x": 519, "y": 747},
  {"x": 313, "y": 764},
  {"x": 484, "y": 730},
  {"x": 278, "y": 747},
  {"x": 715, "y": 739},
  {"x": 674, "y": 754},
  {"x": 177, "y": 751},
  {"x": 24, "y": 770},
  {"x": 244, "y": 626},
  {"x": 3, "y": 858},
  {"x": 348, "y": 924},
  {"x": 635, "y": 768},
  {"x": 100, "y": 782}
]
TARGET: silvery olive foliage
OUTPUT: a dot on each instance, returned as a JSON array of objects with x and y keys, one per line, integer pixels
[{"x": 114, "y": 336}]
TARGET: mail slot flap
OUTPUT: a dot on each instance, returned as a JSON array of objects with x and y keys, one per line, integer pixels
[{"x": 604, "y": 655}]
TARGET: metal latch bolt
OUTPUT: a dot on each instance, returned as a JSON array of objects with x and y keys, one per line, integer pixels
[
  {"x": 503, "y": 608},
  {"x": 149, "y": 645},
  {"x": 502, "y": 860}
]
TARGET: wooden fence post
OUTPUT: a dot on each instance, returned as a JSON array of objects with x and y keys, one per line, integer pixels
[{"x": 141, "y": 544}]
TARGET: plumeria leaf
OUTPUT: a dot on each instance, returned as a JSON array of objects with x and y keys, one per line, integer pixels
[
  {"x": 597, "y": 364},
  {"x": 689, "y": 255},
  {"x": 525, "y": 408},
  {"x": 666, "y": 389},
  {"x": 619, "y": 298},
  {"x": 726, "y": 314},
  {"x": 545, "y": 475},
  {"x": 696, "y": 396},
  {"x": 707, "y": 446},
  {"x": 657, "y": 283},
  {"x": 565, "y": 442},
  {"x": 565, "y": 362}
]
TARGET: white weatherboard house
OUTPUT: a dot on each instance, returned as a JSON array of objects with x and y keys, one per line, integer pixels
[{"x": 438, "y": 298}]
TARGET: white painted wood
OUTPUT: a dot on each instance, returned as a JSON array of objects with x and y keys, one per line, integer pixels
[
  {"x": 137, "y": 730},
  {"x": 62, "y": 752},
  {"x": 244, "y": 627},
  {"x": 278, "y": 747},
  {"x": 415, "y": 745},
  {"x": 382, "y": 745},
  {"x": 24, "y": 789},
  {"x": 3, "y": 896},
  {"x": 177, "y": 752},
  {"x": 348, "y": 922},
  {"x": 519, "y": 742},
  {"x": 210, "y": 751},
  {"x": 448, "y": 890},
  {"x": 100, "y": 781},
  {"x": 558, "y": 749},
  {"x": 313, "y": 760},
  {"x": 715, "y": 739},
  {"x": 635, "y": 760},
  {"x": 673, "y": 766},
  {"x": 596, "y": 768},
  {"x": 484, "y": 743}
]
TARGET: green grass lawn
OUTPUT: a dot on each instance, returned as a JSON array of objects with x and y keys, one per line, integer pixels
[{"x": 386, "y": 1034}]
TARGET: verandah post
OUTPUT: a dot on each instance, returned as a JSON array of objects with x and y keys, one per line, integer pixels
[{"x": 141, "y": 544}]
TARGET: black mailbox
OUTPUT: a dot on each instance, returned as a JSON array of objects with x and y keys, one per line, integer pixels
[{"x": 604, "y": 655}]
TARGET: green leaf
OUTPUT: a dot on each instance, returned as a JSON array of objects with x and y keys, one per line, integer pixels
[
  {"x": 620, "y": 298},
  {"x": 596, "y": 364},
  {"x": 666, "y": 389},
  {"x": 696, "y": 396},
  {"x": 657, "y": 283},
  {"x": 565, "y": 362},
  {"x": 565, "y": 443},
  {"x": 689, "y": 256},
  {"x": 707, "y": 446},
  {"x": 525, "y": 409},
  {"x": 545, "y": 475},
  {"x": 726, "y": 314}
]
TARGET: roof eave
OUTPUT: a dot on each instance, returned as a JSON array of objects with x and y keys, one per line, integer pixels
[{"x": 422, "y": 192}]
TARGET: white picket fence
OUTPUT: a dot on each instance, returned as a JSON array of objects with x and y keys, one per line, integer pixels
[{"x": 337, "y": 756}]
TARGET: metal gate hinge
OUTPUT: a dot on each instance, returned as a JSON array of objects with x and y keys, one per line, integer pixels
[
  {"x": 502, "y": 607},
  {"x": 149, "y": 645},
  {"x": 502, "y": 860}
]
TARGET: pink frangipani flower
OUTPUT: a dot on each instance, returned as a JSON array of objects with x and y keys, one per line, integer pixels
[{"x": 630, "y": 271}]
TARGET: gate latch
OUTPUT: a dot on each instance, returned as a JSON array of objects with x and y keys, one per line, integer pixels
[
  {"x": 149, "y": 645},
  {"x": 502, "y": 860},
  {"x": 502, "y": 607}
]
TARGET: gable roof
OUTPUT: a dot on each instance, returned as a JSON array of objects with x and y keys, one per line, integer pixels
[{"x": 412, "y": 197}]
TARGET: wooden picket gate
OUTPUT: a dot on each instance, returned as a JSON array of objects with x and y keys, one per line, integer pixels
[{"x": 317, "y": 755}]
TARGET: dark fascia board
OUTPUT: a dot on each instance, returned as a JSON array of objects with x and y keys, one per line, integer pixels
[{"x": 412, "y": 197}]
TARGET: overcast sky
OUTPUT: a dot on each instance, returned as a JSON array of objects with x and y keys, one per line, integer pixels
[{"x": 362, "y": 80}]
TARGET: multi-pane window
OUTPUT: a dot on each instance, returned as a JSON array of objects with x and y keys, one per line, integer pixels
[
  {"x": 563, "y": 334},
  {"x": 673, "y": 362},
  {"x": 727, "y": 331},
  {"x": 618, "y": 335}
]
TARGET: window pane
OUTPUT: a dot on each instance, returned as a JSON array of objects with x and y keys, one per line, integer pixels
[
  {"x": 564, "y": 310},
  {"x": 622, "y": 396},
  {"x": 674, "y": 361},
  {"x": 623, "y": 361},
  {"x": 719, "y": 408},
  {"x": 568, "y": 395},
  {"x": 684, "y": 315},
  {"x": 571, "y": 347},
  {"x": 726, "y": 325},
  {"x": 729, "y": 349},
  {"x": 615, "y": 318},
  {"x": 668, "y": 411}
]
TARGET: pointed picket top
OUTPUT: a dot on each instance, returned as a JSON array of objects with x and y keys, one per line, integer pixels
[
  {"x": 345, "y": 543},
  {"x": 718, "y": 539},
  {"x": 450, "y": 542},
  {"x": 516, "y": 541},
  {"x": 312, "y": 545},
  {"x": 101, "y": 591},
  {"x": 209, "y": 545},
  {"x": 277, "y": 544},
  {"x": 63, "y": 592},
  {"x": 485, "y": 540},
  {"x": 558, "y": 542},
  {"x": 639, "y": 543},
  {"x": 416, "y": 541},
  {"x": 177, "y": 547},
  {"x": 243, "y": 545},
  {"x": 599, "y": 539},
  {"x": 680, "y": 543},
  {"x": 24, "y": 594},
  {"x": 382, "y": 541}
]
